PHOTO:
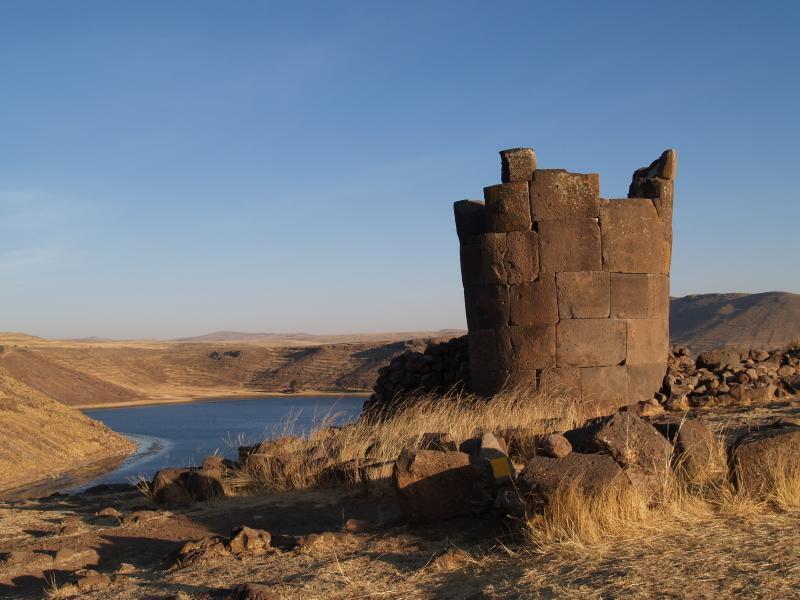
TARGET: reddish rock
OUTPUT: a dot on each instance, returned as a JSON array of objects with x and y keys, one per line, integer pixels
[
  {"x": 245, "y": 540},
  {"x": 555, "y": 445},
  {"x": 435, "y": 486}
]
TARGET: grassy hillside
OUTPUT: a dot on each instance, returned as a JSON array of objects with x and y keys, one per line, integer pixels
[
  {"x": 42, "y": 437},
  {"x": 90, "y": 373}
]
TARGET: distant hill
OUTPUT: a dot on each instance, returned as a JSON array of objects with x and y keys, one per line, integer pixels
[
  {"x": 90, "y": 373},
  {"x": 310, "y": 339},
  {"x": 705, "y": 321}
]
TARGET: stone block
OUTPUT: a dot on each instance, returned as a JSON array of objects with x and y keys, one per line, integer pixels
[
  {"x": 638, "y": 207},
  {"x": 639, "y": 296},
  {"x": 648, "y": 341},
  {"x": 526, "y": 348},
  {"x": 492, "y": 248},
  {"x": 507, "y": 207},
  {"x": 654, "y": 187},
  {"x": 607, "y": 385},
  {"x": 522, "y": 379},
  {"x": 762, "y": 458},
  {"x": 434, "y": 486},
  {"x": 487, "y": 383},
  {"x": 564, "y": 382},
  {"x": 557, "y": 194},
  {"x": 487, "y": 306},
  {"x": 645, "y": 380},
  {"x": 665, "y": 166},
  {"x": 517, "y": 164},
  {"x": 591, "y": 342},
  {"x": 569, "y": 245},
  {"x": 632, "y": 243},
  {"x": 583, "y": 294},
  {"x": 521, "y": 259},
  {"x": 534, "y": 303},
  {"x": 483, "y": 350},
  {"x": 471, "y": 264},
  {"x": 470, "y": 218}
]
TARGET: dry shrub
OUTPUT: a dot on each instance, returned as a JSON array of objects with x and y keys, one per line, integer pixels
[
  {"x": 785, "y": 477},
  {"x": 295, "y": 462},
  {"x": 779, "y": 484},
  {"x": 575, "y": 517}
]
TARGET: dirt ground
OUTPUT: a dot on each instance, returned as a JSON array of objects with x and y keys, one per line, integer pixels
[
  {"x": 753, "y": 555},
  {"x": 751, "y": 552}
]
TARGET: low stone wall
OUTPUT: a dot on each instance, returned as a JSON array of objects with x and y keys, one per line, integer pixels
[
  {"x": 442, "y": 367},
  {"x": 564, "y": 288},
  {"x": 730, "y": 377}
]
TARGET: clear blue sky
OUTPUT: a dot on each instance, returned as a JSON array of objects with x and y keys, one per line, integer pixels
[{"x": 172, "y": 168}]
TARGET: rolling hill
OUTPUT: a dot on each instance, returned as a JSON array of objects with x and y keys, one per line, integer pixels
[{"x": 705, "y": 321}]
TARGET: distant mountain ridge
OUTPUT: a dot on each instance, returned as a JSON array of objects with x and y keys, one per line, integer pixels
[
  {"x": 304, "y": 339},
  {"x": 764, "y": 320}
]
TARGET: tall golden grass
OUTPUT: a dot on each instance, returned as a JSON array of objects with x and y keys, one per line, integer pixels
[
  {"x": 695, "y": 488},
  {"x": 301, "y": 461}
]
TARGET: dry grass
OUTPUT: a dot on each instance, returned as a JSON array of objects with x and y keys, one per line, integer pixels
[{"x": 297, "y": 461}]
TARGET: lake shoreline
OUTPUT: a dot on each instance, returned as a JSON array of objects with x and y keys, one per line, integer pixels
[{"x": 214, "y": 397}]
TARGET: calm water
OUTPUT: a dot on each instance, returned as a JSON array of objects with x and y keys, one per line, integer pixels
[{"x": 176, "y": 435}]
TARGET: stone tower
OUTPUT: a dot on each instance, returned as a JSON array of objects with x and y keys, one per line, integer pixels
[{"x": 567, "y": 290}]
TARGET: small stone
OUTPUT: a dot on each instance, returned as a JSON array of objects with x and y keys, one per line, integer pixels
[
  {"x": 253, "y": 591},
  {"x": 357, "y": 526},
  {"x": 245, "y": 540},
  {"x": 556, "y": 445},
  {"x": 90, "y": 579}
]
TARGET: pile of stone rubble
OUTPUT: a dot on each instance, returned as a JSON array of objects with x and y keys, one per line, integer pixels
[
  {"x": 729, "y": 377},
  {"x": 441, "y": 368}
]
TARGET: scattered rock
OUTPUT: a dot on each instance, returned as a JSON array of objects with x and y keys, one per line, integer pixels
[
  {"x": 245, "y": 540},
  {"x": 436, "y": 486},
  {"x": 555, "y": 445},
  {"x": 89, "y": 579},
  {"x": 358, "y": 526},
  {"x": 198, "y": 551},
  {"x": 109, "y": 512},
  {"x": 253, "y": 591}
]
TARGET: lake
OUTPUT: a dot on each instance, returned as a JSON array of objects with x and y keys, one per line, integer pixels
[{"x": 177, "y": 435}]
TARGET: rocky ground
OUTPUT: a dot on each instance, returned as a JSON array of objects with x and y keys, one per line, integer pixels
[{"x": 445, "y": 526}]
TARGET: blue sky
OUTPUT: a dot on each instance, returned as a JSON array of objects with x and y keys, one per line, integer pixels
[{"x": 173, "y": 168}]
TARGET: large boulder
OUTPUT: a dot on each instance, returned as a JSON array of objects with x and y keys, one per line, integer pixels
[
  {"x": 182, "y": 486},
  {"x": 627, "y": 438},
  {"x": 695, "y": 448},
  {"x": 719, "y": 359},
  {"x": 168, "y": 487},
  {"x": 591, "y": 473},
  {"x": 761, "y": 458},
  {"x": 434, "y": 485}
]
